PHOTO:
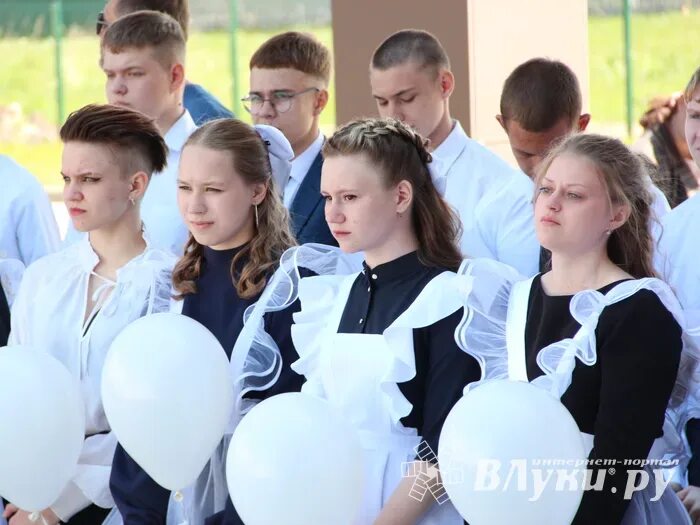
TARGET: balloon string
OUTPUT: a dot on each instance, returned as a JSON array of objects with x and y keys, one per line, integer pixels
[{"x": 179, "y": 497}]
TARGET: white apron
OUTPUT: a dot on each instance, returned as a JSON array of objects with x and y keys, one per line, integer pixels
[
  {"x": 641, "y": 510},
  {"x": 356, "y": 373}
]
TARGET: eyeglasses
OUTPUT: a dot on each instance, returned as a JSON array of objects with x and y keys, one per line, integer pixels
[
  {"x": 101, "y": 23},
  {"x": 280, "y": 100}
]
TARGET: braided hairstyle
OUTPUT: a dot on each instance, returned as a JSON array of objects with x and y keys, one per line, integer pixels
[{"x": 401, "y": 154}]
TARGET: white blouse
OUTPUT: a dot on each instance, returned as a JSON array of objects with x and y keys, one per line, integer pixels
[
  {"x": 11, "y": 271},
  {"x": 28, "y": 228},
  {"x": 49, "y": 314}
]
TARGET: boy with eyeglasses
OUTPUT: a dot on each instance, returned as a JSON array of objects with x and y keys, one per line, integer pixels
[{"x": 289, "y": 77}]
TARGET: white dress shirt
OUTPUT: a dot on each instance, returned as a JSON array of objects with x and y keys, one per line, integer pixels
[
  {"x": 159, "y": 210},
  {"x": 659, "y": 203},
  {"x": 300, "y": 167},
  {"x": 49, "y": 313},
  {"x": 28, "y": 228},
  {"x": 676, "y": 258},
  {"x": 493, "y": 201}
]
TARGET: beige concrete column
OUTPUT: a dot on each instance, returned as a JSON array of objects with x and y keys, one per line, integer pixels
[{"x": 485, "y": 40}]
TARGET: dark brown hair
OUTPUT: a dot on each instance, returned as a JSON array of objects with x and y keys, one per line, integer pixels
[
  {"x": 147, "y": 29},
  {"x": 627, "y": 182},
  {"x": 539, "y": 93},
  {"x": 410, "y": 45},
  {"x": 178, "y": 9},
  {"x": 401, "y": 154},
  {"x": 132, "y": 136},
  {"x": 300, "y": 51},
  {"x": 249, "y": 160}
]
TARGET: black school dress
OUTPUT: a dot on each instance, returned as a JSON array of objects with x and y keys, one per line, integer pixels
[
  {"x": 141, "y": 501},
  {"x": 622, "y": 398}
]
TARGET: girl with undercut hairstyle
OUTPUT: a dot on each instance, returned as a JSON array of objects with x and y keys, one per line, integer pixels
[{"x": 74, "y": 302}]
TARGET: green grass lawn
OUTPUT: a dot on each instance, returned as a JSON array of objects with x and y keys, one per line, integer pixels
[
  {"x": 663, "y": 55},
  {"x": 663, "y": 59},
  {"x": 28, "y": 78}
]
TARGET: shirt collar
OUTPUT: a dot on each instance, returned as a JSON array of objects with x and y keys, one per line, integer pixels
[
  {"x": 179, "y": 132},
  {"x": 87, "y": 258},
  {"x": 395, "y": 270},
  {"x": 451, "y": 148},
  {"x": 302, "y": 162}
]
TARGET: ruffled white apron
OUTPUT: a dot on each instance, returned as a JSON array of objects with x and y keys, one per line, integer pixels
[{"x": 358, "y": 374}]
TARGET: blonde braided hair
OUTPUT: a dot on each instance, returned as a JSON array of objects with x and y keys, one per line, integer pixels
[{"x": 401, "y": 153}]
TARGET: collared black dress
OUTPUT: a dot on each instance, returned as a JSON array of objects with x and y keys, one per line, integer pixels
[
  {"x": 377, "y": 298},
  {"x": 622, "y": 398},
  {"x": 216, "y": 305}
]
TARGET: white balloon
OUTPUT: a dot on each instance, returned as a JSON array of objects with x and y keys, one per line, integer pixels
[
  {"x": 294, "y": 460},
  {"x": 168, "y": 396},
  {"x": 43, "y": 427},
  {"x": 493, "y": 429}
]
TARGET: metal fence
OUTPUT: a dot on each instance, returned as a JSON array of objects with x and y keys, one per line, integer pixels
[
  {"x": 52, "y": 18},
  {"x": 33, "y": 17},
  {"x": 615, "y": 7}
]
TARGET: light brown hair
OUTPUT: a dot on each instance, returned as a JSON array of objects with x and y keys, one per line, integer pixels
[
  {"x": 178, "y": 9},
  {"x": 294, "y": 50},
  {"x": 627, "y": 182},
  {"x": 147, "y": 29},
  {"x": 133, "y": 137},
  {"x": 401, "y": 153},
  {"x": 249, "y": 159}
]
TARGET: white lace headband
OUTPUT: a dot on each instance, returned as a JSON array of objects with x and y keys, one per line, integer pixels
[{"x": 279, "y": 151}]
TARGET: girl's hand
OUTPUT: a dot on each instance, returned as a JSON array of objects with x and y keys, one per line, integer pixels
[{"x": 21, "y": 517}]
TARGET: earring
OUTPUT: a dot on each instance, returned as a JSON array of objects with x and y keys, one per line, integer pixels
[
  {"x": 132, "y": 201},
  {"x": 608, "y": 232},
  {"x": 256, "y": 215}
]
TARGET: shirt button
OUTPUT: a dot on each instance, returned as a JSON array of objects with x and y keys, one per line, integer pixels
[
  {"x": 369, "y": 289},
  {"x": 361, "y": 321},
  {"x": 374, "y": 276}
]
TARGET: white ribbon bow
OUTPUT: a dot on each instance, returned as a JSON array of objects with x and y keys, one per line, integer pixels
[{"x": 279, "y": 151}]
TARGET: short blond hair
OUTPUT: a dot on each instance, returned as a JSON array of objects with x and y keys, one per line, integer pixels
[{"x": 147, "y": 29}]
